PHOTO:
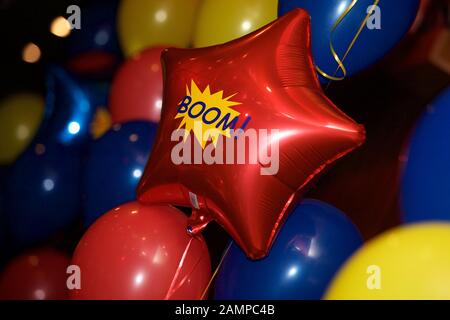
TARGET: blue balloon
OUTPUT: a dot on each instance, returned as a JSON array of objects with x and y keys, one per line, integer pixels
[
  {"x": 98, "y": 30},
  {"x": 425, "y": 185},
  {"x": 71, "y": 105},
  {"x": 43, "y": 192},
  {"x": 97, "y": 92},
  {"x": 395, "y": 19},
  {"x": 114, "y": 166},
  {"x": 2, "y": 219},
  {"x": 311, "y": 246}
]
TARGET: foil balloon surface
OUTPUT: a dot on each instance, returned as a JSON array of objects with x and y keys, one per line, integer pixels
[{"x": 245, "y": 128}]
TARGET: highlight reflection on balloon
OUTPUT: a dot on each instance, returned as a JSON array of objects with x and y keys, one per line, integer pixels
[
  {"x": 313, "y": 243},
  {"x": 145, "y": 23},
  {"x": 20, "y": 117},
  {"x": 141, "y": 252},
  {"x": 113, "y": 167},
  {"x": 386, "y": 27},
  {"x": 136, "y": 92},
  {"x": 43, "y": 192}
]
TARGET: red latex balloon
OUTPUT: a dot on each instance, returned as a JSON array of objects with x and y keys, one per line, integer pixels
[
  {"x": 136, "y": 92},
  {"x": 424, "y": 5},
  {"x": 92, "y": 63},
  {"x": 36, "y": 275},
  {"x": 263, "y": 81},
  {"x": 141, "y": 252}
]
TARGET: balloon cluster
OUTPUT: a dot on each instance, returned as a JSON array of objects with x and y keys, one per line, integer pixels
[
  {"x": 217, "y": 108},
  {"x": 63, "y": 154}
]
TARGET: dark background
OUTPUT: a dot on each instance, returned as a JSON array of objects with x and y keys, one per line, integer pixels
[{"x": 22, "y": 22}]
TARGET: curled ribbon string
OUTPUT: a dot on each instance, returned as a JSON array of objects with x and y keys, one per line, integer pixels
[
  {"x": 172, "y": 288},
  {"x": 352, "y": 43},
  {"x": 186, "y": 277},
  {"x": 216, "y": 271}
]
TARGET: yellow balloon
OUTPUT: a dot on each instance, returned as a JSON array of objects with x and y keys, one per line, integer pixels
[
  {"x": 221, "y": 21},
  {"x": 20, "y": 117},
  {"x": 145, "y": 23},
  {"x": 409, "y": 262}
]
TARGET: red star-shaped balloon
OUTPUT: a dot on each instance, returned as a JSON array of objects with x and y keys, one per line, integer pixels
[{"x": 264, "y": 86}]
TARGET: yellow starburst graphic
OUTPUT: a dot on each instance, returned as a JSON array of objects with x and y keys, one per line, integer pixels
[{"x": 208, "y": 115}]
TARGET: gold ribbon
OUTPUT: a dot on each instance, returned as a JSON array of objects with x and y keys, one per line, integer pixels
[
  {"x": 333, "y": 52},
  {"x": 205, "y": 292},
  {"x": 101, "y": 123}
]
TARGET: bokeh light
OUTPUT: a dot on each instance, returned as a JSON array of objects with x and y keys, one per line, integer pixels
[
  {"x": 31, "y": 53},
  {"x": 60, "y": 27}
]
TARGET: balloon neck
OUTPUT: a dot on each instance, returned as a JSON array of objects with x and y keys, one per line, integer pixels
[{"x": 198, "y": 221}]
